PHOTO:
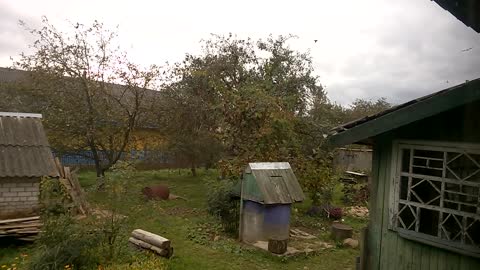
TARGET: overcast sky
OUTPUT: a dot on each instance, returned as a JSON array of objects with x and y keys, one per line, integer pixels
[{"x": 366, "y": 49}]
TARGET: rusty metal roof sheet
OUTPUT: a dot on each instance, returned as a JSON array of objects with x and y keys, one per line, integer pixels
[
  {"x": 272, "y": 183},
  {"x": 24, "y": 149}
]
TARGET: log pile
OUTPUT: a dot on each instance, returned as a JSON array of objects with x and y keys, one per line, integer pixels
[
  {"x": 149, "y": 241},
  {"x": 70, "y": 181},
  {"x": 25, "y": 229}
]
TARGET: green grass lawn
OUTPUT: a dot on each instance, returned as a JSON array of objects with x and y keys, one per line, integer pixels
[{"x": 185, "y": 222}]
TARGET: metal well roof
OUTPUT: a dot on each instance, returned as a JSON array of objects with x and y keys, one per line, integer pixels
[
  {"x": 24, "y": 149},
  {"x": 272, "y": 183}
]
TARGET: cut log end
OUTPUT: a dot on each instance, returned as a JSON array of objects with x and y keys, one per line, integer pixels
[
  {"x": 341, "y": 231},
  {"x": 277, "y": 246}
]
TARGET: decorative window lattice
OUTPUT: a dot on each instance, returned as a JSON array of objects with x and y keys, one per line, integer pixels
[{"x": 437, "y": 195}]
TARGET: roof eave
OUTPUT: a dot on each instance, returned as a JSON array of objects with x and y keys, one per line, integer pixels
[{"x": 434, "y": 104}]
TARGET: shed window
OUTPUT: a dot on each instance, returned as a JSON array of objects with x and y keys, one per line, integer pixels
[{"x": 437, "y": 196}]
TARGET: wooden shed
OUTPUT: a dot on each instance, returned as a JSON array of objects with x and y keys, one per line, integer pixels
[
  {"x": 425, "y": 193},
  {"x": 25, "y": 157},
  {"x": 268, "y": 189}
]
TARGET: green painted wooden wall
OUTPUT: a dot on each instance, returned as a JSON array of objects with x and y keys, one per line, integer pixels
[{"x": 387, "y": 250}]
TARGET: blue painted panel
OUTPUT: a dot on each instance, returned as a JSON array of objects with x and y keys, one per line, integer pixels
[
  {"x": 277, "y": 214},
  {"x": 276, "y": 223},
  {"x": 253, "y": 207}
]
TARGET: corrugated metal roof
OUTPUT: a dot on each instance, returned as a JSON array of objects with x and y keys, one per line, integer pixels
[
  {"x": 272, "y": 186},
  {"x": 26, "y": 161},
  {"x": 21, "y": 131},
  {"x": 434, "y": 103},
  {"x": 24, "y": 149}
]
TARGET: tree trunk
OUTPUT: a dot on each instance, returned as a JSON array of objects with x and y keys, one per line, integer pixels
[
  {"x": 194, "y": 169},
  {"x": 96, "y": 159}
]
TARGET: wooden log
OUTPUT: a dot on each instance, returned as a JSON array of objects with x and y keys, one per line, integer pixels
[
  {"x": 277, "y": 246},
  {"x": 341, "y": 231},
  {"x": 164, "y": 252},
  {"x": 151, "y": 238}
]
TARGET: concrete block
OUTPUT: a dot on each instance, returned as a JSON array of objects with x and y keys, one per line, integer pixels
[
  {"x": 24, "y": 194},
  {"x": 31, "y": 189},
  {"x": 17, "y": 189},
  {"x": 10, "y": 194},
  {"x": 33, "y": 198}
]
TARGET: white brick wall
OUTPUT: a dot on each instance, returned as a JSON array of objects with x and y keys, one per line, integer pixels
[{"x": 19, "y": 196}]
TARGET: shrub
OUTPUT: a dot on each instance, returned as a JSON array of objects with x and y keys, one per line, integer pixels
[
  {"x": 355, "y": 194},
  {"x": 317, "y": 176},
  {"x": 54, "y": 198},
  {"x": 64, "y": 242},
  {"x": 333, "y": 212},
  {"x": 85, "y": 243},
  {"x": 223, "y": 203}
]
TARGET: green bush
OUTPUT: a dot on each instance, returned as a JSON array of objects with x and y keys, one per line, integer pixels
[
  {"x": 82, "y": 243},
  {"x": 224, "y": 204},
  {"x": 54, "y": 198},
  {"x": 64, "y": 242}
]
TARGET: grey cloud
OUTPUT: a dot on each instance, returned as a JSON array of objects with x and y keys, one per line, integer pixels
[
  {"x": 12, "y": 38},
  {"x": 415, "y": 56}
]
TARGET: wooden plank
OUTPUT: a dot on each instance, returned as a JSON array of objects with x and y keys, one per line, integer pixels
[
  {"x": 407, "y": 262},
  {"x": 468, "y": 263},
  {"x": 440, "y": 243},
  {"x": 59, "y": 167},
  {"x": 434, "y": 257},
  {"x": 453, "y": 261},
  {"x": 20, "y": 225},
  {"x": 442, "y": 260},
  {"x": 425, "y": 262},
  {"x": 389, "y": 239},
  {"x": 381, "y": 197},
  {"x": 400, "y": 262},
  {"x": 240, "y": 224},
  {"x": 363, "y": 248},
  {"x": 373, "y": 241},
  {"x": 416, "y": 255},
  {"x": 19, "y": 219}
]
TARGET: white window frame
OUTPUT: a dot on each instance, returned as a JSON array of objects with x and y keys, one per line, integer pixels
[{"x": 396, "y": 174}]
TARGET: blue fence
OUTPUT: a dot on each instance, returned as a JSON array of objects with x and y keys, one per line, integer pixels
[{"x": 85, "y": 158}]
